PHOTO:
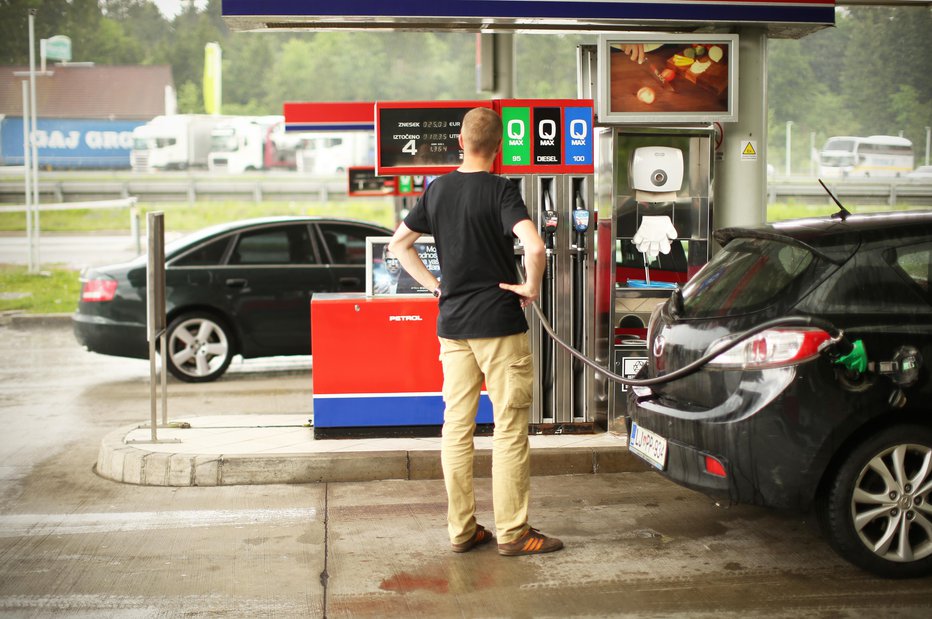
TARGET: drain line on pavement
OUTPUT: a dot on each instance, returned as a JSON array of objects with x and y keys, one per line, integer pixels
[{"x": 324, "y": 575}]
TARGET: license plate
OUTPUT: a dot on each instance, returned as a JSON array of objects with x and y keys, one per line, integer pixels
[{"x": 648, "y": 445}]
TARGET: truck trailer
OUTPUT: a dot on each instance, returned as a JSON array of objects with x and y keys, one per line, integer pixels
[
  {"x": 251, "y": 143},
  {"x": 69, "y": 143},
  {"x": 175, "y": 142},
  {"x": 334, "y": 152}
]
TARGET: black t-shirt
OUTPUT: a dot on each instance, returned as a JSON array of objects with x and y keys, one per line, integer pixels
[{"x": 471, "y": 216}]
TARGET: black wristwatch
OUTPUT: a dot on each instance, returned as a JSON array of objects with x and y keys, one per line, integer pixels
[{"x": 436, "y": 291}]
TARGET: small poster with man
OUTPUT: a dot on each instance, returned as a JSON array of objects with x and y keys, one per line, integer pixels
[{"x": 384, "y": 275}]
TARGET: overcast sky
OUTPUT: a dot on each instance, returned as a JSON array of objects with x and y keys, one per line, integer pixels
[{"x": 170, "y": 8}]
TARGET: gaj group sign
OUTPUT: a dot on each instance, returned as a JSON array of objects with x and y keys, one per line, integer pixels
[{"x": 71, "y": 143}]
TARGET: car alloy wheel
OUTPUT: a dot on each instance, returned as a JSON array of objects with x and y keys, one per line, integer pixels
[
  {"x": 199, "y": 348},
  {"x": 880, "y": 507}
]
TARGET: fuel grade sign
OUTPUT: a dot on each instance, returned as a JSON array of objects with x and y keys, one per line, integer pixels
[
  {"x": 546, "y": 136},
  {"x": 420, "y": 138}
]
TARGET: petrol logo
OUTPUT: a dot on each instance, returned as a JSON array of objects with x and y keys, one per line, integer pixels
[{"x": 413, "y": 318}]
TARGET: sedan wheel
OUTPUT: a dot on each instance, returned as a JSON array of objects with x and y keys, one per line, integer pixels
[
  {"x": 878, "y": 512},
  {"x": 199, "y": 348}
]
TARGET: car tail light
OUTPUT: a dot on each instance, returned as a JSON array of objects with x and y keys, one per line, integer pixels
[
  {"x": 773, "y": 348},
  {"x": 714, "y": 467},
  {"x": 96, "y": 290}
]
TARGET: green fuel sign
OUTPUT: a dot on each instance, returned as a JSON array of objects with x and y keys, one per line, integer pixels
[{"x": 516, "y": 144}]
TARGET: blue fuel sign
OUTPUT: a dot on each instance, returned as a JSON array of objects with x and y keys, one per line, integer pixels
[{"x": 577, "y": 135}]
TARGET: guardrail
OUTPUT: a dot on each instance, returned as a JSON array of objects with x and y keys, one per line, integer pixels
[
  {"x": 915, "y": 192},
  {"x": 79, "y": 186},
  {"x": 257, "y": 187}
]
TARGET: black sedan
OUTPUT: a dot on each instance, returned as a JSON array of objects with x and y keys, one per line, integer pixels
[
  {"x": 830, "y": 406},
  {"x": 241, "y": 288}
]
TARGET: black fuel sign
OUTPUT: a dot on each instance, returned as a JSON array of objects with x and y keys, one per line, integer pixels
[{"x": 548, "y": 136}]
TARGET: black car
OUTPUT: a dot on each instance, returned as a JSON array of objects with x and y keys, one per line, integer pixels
[
  {"x": 239, "y": 288},
  {"x": 830, "y": 406}
]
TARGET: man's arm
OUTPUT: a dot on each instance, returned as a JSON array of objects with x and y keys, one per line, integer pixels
[
  {"x": 402, "y": 247},
  {"x": 534, "y": 260}
]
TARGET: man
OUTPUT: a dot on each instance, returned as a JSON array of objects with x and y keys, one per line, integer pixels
[{"x": 474, "y": 217}]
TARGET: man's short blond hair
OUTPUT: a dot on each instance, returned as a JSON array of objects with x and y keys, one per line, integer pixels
[{"x": 482, "y": 131}]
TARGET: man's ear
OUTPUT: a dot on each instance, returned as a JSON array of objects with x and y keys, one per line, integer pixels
[{"x": 460, "y": 140}]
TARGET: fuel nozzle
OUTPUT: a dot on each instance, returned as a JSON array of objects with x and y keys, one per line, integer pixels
[
  {"x": 580, "y": 215},
  {"x": 550, "y": 227},
  {"x": 580, "y": 220},
  {"x": 850, "y": 354}
]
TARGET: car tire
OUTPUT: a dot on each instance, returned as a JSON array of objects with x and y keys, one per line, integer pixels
[
  {"x": 200, "y": 347},
  {"x": 877, "y": 513}
]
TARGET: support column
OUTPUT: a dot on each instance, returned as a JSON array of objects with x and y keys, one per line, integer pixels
[
  {"x": 504, "y": 71},
  {"x": 741, "y": 181}
]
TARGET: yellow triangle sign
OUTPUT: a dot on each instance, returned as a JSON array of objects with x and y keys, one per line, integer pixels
[{"x": 749, "y": 149}]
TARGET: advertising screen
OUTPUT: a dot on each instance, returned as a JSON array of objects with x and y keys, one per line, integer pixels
[{"x": 654, "y": 78}]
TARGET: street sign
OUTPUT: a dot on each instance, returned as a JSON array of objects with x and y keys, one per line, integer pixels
[{"x": 57, "y": 47}]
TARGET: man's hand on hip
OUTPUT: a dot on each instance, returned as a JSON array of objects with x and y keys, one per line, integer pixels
[{"x": 527, "y": 292}]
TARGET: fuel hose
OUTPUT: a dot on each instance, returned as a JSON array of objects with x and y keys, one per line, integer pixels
[{"x": 836, "y": 334}]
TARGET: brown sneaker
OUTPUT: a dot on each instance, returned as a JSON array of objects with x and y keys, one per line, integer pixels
[
  {"x": 480, "y": 537},
  {"x": 533, "y": 542}
]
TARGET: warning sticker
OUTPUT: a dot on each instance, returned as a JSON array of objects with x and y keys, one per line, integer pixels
[
  {"x": 749, "y": 150},
  {"x": 630, "y": 366}
]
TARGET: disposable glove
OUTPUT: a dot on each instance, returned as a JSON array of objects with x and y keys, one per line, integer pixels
[{"x": 654, "y": 235}]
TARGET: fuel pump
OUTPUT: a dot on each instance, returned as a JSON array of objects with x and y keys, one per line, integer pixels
[
  {"x": 547, "y": 147},
  {"x": 580, "y": 269},
  {"x": 549, "y": 222}
]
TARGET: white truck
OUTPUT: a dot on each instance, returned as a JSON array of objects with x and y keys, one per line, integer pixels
[
  {"x": 328, "y": 153},
  {"x": 175, "y": 142},
  {"x": 250, "y": 143}
]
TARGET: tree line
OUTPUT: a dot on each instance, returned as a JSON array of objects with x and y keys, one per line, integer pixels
[{"x": 865, "y": 76}]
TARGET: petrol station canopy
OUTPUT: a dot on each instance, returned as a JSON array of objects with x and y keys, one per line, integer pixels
[{"x": 780, "y": 18}]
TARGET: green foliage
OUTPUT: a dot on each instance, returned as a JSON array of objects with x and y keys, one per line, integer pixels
[
  {"x": 863, "y": 77},
  {"x": 546, "y": 65},
  {"x": 190, "y": 100},
  {"x": 53, "y": 291},
  {"x": 182, "y": 216}
]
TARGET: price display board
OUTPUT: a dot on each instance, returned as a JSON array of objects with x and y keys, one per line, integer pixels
[
  {"x": 420, "y": 137},
  {"x": 364, "y": 182}
]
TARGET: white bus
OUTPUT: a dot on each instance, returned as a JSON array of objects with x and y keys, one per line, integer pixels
[{"x": 877, "y": 155}]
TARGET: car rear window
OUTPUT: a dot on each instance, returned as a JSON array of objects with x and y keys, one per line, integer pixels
[
  {"x": 916, "y": 262},
  {"x": 747, "y": 275},
  {"x": 274, "y": 246},
  {"x": 208, "y": 254}
]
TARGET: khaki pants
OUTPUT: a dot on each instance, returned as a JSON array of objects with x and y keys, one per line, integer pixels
[{"x": 506, "y": 365}]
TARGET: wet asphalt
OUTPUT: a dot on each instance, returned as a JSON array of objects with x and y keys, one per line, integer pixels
[{"x": 73, "y": 544}]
